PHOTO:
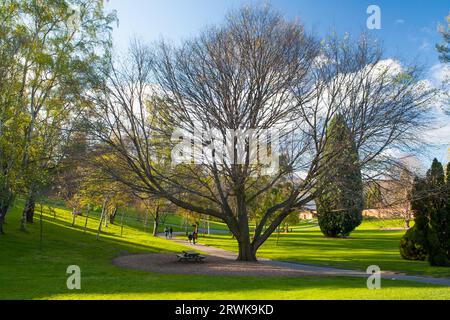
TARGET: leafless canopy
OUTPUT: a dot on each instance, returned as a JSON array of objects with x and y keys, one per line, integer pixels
[{"x": 257, "y": 71}]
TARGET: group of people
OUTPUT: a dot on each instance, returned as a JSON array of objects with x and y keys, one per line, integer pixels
[
  {"x": 192, "y": 236},
  {"x": 168, "y": 232}
]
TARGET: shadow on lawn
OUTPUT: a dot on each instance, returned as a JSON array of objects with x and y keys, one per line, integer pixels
[{"x": 217, "y": 287}]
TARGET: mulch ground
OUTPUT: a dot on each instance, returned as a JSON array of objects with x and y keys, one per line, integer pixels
[{"x": 169, "y": 264}]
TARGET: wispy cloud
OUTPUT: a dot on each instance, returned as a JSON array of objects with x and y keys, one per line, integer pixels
[
  {"x": 425, "y": 45},
  {"x": 400, "y": 21}
]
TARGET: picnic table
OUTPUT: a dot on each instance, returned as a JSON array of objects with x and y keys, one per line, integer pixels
[{"x": 190, "y": 256}]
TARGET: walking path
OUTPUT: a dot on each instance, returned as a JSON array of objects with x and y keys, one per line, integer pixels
[{"x": 319, "y": 270}]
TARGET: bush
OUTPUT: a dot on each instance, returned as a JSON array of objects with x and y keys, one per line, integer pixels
[
  {"x": 411, "y": 246},
  {"x": 333, "y": 224}
]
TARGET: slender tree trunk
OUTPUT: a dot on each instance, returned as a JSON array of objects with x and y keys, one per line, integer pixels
[
  {"x": 156, "y": 222},
  {"x": 112, "y": 217},
  {"x": 101, "y": 219},
  {"x": 145, "y": 222},
  {"x": 5, "y": 204},
  {"x": 203, "y": 227},
  {"x": 29, "y": 206},
  {"x": 87, "y": 218},
  {"x": 106, "y": 217},
  {"x": 74, "y": 216},
  {"x": 3, "y": 210},
  {"x": 278, "y": 235},
  {"x": 121, "y": 224},
  {"x": 155, "y": 227},
  {"x": 41, "y": 228},
  {"x": 4, "y": 207},
  {"x": 407, "y": 223}
]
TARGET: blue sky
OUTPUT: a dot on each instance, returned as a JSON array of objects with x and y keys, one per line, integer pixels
[{"x": 408, "y": 28}]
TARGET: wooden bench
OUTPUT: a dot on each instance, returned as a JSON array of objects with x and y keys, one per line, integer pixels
[{"x": 190, "y": 256}]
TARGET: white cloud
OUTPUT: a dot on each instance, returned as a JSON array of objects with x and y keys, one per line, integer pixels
[
  {"x": 399, "y": 21},
  {"x": 439, "y": 135},
  {"x": 425, "y": 45},
  {"x": 439, "y": 73}
]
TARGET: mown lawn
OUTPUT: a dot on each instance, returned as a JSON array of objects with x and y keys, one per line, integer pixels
[
  {"x": 368, "y": 245},
  {"x": 30, "y": 269}
]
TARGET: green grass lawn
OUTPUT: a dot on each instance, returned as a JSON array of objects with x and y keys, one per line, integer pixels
[
  {"x": 368, "y": 245},
  {"x": 33, "y": 270}
]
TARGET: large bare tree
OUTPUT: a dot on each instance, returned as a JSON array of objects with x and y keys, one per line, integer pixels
[{"x": 257, "y": 71}]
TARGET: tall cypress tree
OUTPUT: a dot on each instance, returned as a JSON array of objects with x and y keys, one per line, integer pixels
[
  {"x": 437, "y": 236},
  {"x": 430, "y": 203},
  {"x": 340, "y": 202}
]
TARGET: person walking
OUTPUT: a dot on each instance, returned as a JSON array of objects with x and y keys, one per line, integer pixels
[
  {"x": 194, "y": 237},
  {"x": 166, "y": 231},
  {"x": 170, "y": 232},
  {"x": 190, "y": 237}
]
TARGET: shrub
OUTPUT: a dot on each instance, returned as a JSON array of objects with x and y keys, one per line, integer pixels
[{"x": 411, "y": 246}]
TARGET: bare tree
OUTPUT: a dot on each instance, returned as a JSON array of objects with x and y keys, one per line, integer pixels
[{"x": 257, "y": 71}]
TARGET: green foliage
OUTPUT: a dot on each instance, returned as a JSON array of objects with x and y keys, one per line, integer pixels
[
  {"x": 50, "y": 52},
  {"x": 373, "y": 197},
  {"x": 429, "y": 201},
  {"x": 411, "y": 246},
  {"x": 444, "y": 48},
  {"x": 340, "y": 202}
]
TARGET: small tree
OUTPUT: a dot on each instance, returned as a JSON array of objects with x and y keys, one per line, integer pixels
[
  {"x": 429, "y": 201},
  {"x": 340, "y": 205},
  {"x": 413, "y": 245},
  {"x": 291, "y": 220}
]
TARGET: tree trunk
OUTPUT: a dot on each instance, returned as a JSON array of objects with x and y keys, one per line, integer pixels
[
  {"x": 74, "y": 217},
  {"x": 5, "y": 204},
  {"x": 41, "y": 228},
  {"x": 155, "y": 227},
  {"x": 156, "y": 222},
  {"x": 121, "y": 224},
  {"x": 246, "y": 251},
  {"x": 101, "y": 219},
  {"x": 87, "y": 218},
  {"x": 31, "y": 204},
  {"x": 407, "y": 223},
  {"x": 2, "y": 218},
  {"x": 145, "y": 222},
  {"x": 3, "y": 210},
  {"x": 106, "y": 218},
  {"x": 28, "y": 212},
  {"x": 112, "y": 217}
]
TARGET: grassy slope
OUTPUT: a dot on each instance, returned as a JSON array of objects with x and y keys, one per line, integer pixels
[
  {"x": 29, "y": 272},
  {"x": 368, "y": 245}
]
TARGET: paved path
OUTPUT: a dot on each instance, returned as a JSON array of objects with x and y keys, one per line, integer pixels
[{"x": 319, "y": 270}]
